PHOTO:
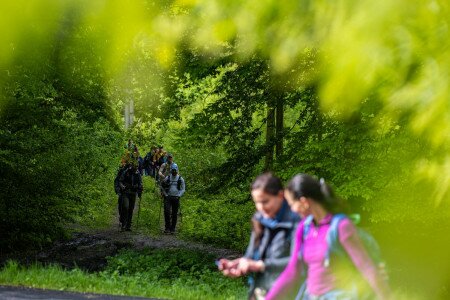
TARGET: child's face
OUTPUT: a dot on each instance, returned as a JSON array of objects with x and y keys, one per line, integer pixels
[
  {"x": 267, "y": 204},
  {"x": 299, "y": 206}
]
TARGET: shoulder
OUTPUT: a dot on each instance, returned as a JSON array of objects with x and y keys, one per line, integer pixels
[
  {"x": 346, "y": 229},
  {"x": 299, "y": 230}
]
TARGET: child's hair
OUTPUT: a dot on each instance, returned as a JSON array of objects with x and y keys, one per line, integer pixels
[
  {"x": 269, "y": 183},
  {"x": 304, "y": 185},
  {"x": 258, "y": 231}
]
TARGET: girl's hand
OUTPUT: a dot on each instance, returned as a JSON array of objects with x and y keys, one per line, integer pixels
[
  {"x": 249, "y": 265},
  {"x": 229, "y": 267},
  {"x": 244, "y": 265},
  {"x": 257, "y": 266}
]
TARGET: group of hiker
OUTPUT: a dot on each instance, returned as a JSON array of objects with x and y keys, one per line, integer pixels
[
  {"x": 128, "y": 183},
  {"x": 303, "y": 247}
]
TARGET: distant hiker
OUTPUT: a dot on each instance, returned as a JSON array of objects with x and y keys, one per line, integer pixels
[
  {"x": 327, "y": 249},
  {"x": 118, "y": 190},
  {"x": 165, "y": 170},
  {"x": 156, "y": 159},
  {"x": 162, "y": 158},
  {"x": 173, "y": 189},
  {"x": 129, "y": 145},
  {"x": 130, "y": 183},
  {"x": 269, "y": 249},
  {"x": 148, "y": 162}
]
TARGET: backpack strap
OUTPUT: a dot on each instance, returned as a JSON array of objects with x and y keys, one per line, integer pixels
[
  {"x": 332, "y": 238},
  {"x": 306, "y": 227},
  {"x": 179, "y": 182}
]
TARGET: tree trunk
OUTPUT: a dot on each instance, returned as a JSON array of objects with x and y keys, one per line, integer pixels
[
  {"x": 270, "y": 135},
  {"x": 279, "y": 126}
]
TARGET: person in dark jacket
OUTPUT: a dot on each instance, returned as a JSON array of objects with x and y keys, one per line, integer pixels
[
  {"x": 148, "y": 162},
  {"x": 130, "y": 182},
  {"x": 118, "y": 190},
  {"x": 270, "y": 243}
]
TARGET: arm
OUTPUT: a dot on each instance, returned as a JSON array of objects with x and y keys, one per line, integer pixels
[
  {"x": 140, "y": 185},
  {"x": 183, "y": 188},
  {"x": 289, "y": 280},
  {"x": 230, "y": 267},
  {"x": 122, "y": 184},
  {"x": 162, "y": 186},
  {"x": 161, "y": 169},
  {"x": 116, "y": 183},
  {"x": 350, "y": 241}
]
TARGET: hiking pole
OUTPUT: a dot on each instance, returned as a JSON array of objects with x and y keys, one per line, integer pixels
[
  {"x": 119, "y": 208},
  {"x": 159, "y": 219},
  {"x": 156, "y": 189},
  {"x": 139, "y": 212},
  {"x": 180, "y": 213}
]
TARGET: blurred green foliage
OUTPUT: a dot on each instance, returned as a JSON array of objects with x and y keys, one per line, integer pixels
[{"x": 59, "y": 137}]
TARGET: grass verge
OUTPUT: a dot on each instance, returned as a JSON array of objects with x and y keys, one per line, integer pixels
[{"x": 168, "y": 274}]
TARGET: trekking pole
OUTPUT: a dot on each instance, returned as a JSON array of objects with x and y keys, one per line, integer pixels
[
  {"x": 181, "y": 215},
  {"x": 160, "y": 209},
  {"x": 119, "y": 208},
  {"x": 139, "y": 212},
  {"x": 158, "y": 196}
]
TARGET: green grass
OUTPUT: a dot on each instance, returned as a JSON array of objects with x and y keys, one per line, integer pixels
[{"x": 169, "y": 274}]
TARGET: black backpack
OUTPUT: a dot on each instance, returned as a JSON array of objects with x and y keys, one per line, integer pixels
[{"x": 166, "y": 183}]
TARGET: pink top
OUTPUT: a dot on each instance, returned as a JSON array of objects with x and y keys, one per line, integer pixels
[{"x": 321, "y": 279}]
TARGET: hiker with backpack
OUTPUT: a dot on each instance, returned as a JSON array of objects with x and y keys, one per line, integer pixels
[
  {"x": 328, "y": 254},
  {"x": 118, "y": 190},
  {"x": 129, "y": 146},
  {"x": 162, "y": 158},
  {"x": 130, "y": 183},
  {"x": 148, "y": 162},
  {"x": 173, "y": 189},
  {"x": 165, "y": 170},
  {"x": 268, "y": 251},
  {"x": 139, "y": 159},
  {"x": 156, "y": 160}
]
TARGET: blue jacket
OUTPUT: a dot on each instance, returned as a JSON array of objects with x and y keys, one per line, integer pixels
[
  {"x": 174, "y": 189},
  {"x": 274, "y": 248}
]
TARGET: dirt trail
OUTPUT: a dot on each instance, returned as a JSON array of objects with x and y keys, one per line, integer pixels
[{"x": 88, "y": 248}]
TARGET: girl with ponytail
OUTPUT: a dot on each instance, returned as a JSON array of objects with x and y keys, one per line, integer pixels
[{"x": 315, "y": 201}]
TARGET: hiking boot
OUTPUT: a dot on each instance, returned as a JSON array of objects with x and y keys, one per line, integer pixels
[
  {"x": 128, "y": 229},
  {"x": 166, "y": 231}
]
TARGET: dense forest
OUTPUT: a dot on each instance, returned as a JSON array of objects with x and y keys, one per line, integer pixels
[{"x": 356, "y": 93}]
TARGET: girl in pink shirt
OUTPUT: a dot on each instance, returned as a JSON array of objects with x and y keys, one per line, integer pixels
[{"x": 309, "y": 259}]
